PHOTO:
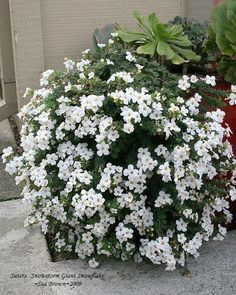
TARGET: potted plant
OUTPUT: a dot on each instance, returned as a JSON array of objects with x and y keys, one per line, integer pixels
[{"x": 119, "y": 160}]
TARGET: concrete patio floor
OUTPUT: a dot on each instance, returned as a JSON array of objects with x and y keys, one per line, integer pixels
[
  {"x": 8, "y": 188},
  {"x": 24, "y": 253}
]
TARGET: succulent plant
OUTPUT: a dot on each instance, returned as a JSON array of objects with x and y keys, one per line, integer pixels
[
  {"x": 166, "y": 41},
  {"x": 223, "y": 33},
  {"x": 223, "y": 23},
  {"x": 102, "y": 36},
  {"x": 195, "y": 30},
  {"x": 227, "y": 68}
]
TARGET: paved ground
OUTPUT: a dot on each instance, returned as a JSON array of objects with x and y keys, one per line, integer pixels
[
  {"x": 23, "y": 251},
  {"x": 6, "y": 135},
  {"x": 8, "y": 188}
]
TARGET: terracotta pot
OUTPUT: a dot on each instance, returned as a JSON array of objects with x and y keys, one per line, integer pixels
[{"x": 230, "y": 119}]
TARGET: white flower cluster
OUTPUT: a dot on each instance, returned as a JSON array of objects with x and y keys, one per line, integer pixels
[
  {"x": 232, "y": 97},
  {"x": 124, "y": 171}
]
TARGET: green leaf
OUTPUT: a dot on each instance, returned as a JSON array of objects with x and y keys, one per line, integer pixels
[
  {"x": 234, "y": 49},
  {"x": 141, "y": 23},
  {"x": 148, "y": 48},
  {"x": 224, "y": 26},
  {"x": 164, "y": 49},
  {"x": 131, "y": 36},
  {"x": 186, "y": 53},
  {"x": 177, "y": 60},
  {"x": 231, "y": 36},
  {"x": 153, "y": 21},
  {"x": 184, "y": 42},
  {"x": 176, "y": 30}
]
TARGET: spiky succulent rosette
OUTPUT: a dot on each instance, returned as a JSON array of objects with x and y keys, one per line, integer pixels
[{"x": 122, "y": 158}]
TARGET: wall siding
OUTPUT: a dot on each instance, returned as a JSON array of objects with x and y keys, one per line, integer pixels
[
  {"x": 44, "y": 32},
  {"x": 68, "y": 25},
  {"x": 27, "y": 44},
  {"x": 199, "y": 9}
]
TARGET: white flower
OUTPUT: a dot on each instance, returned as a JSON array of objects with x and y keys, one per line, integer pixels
[
  {"x": 109, "y": 62},
  {"x": 114, "y": 34},
  {"x": 123, "y": 233},
  {"x": 93, "y": 263},
  {"x": 163, "y": 199},
  {"x": 101, "y": 45},
  {"x": 139, "y": 67},
  {"x": 60, "y": 243},
  {"x": 91, "y": 75},
  {"x": 45, "y": 76},
  {"x": 187, "y": 212},
  {"x": 232, "y": 193},
  {"x": 102, "y": 149},
  {"x": 221, "y": 234},
  {"x": 184, "y": 83},
  {"x": 165, "y": 171},
  {"x": 130, "y": 57},
  {"x": 68, "y": 87},
  {"x": 211, "y": 80},
  {"x": 122, "y": 75},
  {"x": 69, "y": 64},
  {"x": 86, "y": 51},
  {"x": 128, "y": 128},
  {"x": 232, "y": 98},
  {"x": 217, "y": 115},
  {"x": 233, "y": 88},
  {"x": 6, "y": 153},
  {"x": 181, "y": 225},
  {"x": 193, "y": 79},
  {"x": 181, "y": 238}
]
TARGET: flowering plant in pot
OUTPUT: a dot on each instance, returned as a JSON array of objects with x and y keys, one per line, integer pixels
[{"x": 119, "y": 159}]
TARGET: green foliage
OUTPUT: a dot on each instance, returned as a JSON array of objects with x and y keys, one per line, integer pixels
[
  {"x": 223, "y": 38},
  {"x": 157, "y": 39},
  {"x": 213, "y": 52},
  {"x": 195, "y": 30},
  {"x": 227, "y": 68},
  {"x": 223, "y": 22}
]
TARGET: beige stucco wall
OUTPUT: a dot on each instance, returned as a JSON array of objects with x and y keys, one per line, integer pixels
[
  {"x": 27, "y": 44},
  {"x": 199, "y": 9},
  {"x": 8, "y": 105},
  {"x": 68, "y": 25},
  {"x": 46, "y": 31}
]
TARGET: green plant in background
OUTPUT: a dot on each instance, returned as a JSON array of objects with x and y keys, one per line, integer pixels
[
  {"x": 227, "y": 68},
  {"x": 165, "y": 41},
  {"x": 195, "y": 30},
  {"x": 102, "y": 36},
  {"x": 211, "y": 48},
  {"x": 223, "y": 27}
]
